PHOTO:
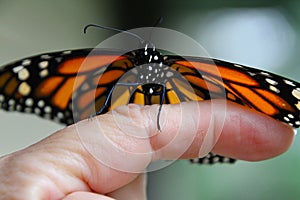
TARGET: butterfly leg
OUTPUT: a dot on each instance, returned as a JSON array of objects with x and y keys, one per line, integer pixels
[
  {"x": 160, "y": 106},
  {"x": 106, "y": 102},
  {"x": 110, "y": 94}
]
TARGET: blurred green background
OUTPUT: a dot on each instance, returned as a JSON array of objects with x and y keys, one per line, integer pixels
[{"x": 262, "y": 34}]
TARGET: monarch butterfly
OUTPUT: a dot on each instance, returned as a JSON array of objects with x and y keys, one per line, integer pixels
[{"x": 45, "y": 84}]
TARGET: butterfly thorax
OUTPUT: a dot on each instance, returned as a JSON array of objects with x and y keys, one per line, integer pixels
[
  {"x": 150, "y": 68},
  {"x": 150, "y": 72}
]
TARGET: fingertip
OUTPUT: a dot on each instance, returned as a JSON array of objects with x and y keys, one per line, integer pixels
[
  {"x": 240, "y": 133},
  {"x": 252, "y": 136}
]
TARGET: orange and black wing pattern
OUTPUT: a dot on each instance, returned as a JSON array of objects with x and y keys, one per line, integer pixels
[
  {"x": 45, "y": 84},
  {"x": 271, "y": 94}
]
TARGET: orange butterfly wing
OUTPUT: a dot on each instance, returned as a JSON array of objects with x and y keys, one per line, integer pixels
[
  {"x": 263, "y": 91},
  {"x": 44, "y": 84}
]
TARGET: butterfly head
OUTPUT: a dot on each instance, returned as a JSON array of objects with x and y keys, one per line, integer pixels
[
  {"x": 150, "y": 67},
  {"x": 148, "y": 54}
]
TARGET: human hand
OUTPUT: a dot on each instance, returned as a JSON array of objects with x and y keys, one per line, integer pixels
[{"x": 61, "y": 167}]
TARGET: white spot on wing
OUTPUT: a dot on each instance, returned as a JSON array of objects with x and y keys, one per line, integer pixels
[
  {"x": 41, "y": 103},
  {"x": 43, "y": 64},
  {"x": 251, "y": 73},
  {"x": 274, "y": 89},
  {"x": 47, "y": 109},
  {"x": 298, "y": 105},
  {"x": 286, "y": 119},
  {"x": 216, "y": 159},
  {"x": 24, "y": 89},
  {"x": 289, "y": 82},
  {"x": 44, "y": 73},
  {"x": 18, "y": 107},
  {"x": 26, "y": 62},
  {"x": 271, "y": 81},
  {"x": 37, "y": 111},
  {"x": 2, "y": 98},
  {"x": 265, "y": 74},
  {"x": 67, "y": 52},
  {"x": 17, "y": 68},
  {"x": 60, "y": 115},
  {"x": 23, "y": 74},
  {"x": 11, "y": 102},
  {"x": 239, "y": 66},
  {"x": 45, "y": 56},
  {"x": 29, "y": 102},
  {"x": 296, "y": 93}
]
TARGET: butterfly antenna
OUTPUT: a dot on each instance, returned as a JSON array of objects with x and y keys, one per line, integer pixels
[
  {"x": 158, "y": 21},
  {"x": 112, "y": 29}
]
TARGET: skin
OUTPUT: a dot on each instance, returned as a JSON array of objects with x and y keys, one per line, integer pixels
[{"x": 61, "y": 167}]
